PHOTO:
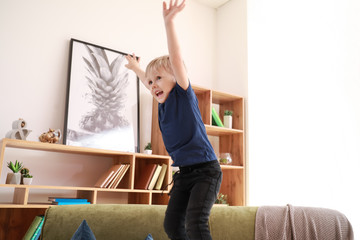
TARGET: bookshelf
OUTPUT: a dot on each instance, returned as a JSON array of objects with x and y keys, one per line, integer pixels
[
  {"x": 227, "y": 140},
  {"x": 21, "y": 209}
]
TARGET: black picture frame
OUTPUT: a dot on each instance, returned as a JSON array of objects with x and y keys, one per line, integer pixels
[{"x": 102, "y": 103}]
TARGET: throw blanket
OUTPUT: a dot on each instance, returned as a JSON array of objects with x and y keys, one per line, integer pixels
[{"x": 301, "y": 223}]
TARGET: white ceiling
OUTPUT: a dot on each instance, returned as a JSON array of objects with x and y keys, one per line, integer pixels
[{"x": 213, "y": 3}]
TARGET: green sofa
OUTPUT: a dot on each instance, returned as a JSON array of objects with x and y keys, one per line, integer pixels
[{"x": 135, "y": 221}]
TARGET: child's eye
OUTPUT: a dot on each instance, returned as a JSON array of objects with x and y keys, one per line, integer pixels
[
  {"x": 150, "y": 83},
  {"x": 158, "y": 78}
]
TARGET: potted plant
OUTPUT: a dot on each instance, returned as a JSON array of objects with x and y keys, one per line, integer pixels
[
  {"x": 228, "y": 118},
  {"x": 221, "y": 199},
  {"x": 15, "y": 176},
  {"x": 26, "y": 178},
  {"x": 147, "y": 149}
]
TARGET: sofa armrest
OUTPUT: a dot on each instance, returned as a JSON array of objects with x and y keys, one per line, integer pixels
[{"x": 234, "y": 222}]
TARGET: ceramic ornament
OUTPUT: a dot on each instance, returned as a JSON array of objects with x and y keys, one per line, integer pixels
[
  {"x": 52, "y": 136},
  {"x": 19, "y": 130}
]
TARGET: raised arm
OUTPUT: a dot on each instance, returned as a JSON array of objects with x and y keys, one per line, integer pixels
[
  {"x": 134, "y": 65},
  {"x": 176, "y": 59}
]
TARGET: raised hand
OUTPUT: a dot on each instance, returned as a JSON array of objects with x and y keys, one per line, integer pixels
[
  {"x": 133, "y": 62},
  {"x": 134, "y": 65},
  {"x": 174, "y": 8}
]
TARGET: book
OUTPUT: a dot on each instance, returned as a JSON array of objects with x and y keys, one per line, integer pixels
[
  {"x": 103, "y": 179},
  {"x": 106, "y": 177},
  {"x": 116, "y": 170},
  {"x": 69, "y": 203},
  {"x": 216, "y": 118},
  {"x": 161, "y": 177},
  {"x": 65, "y": 199},
  {"x": 154, "y": 177},
  {"x": 32, "y": 228},
  {"x": 121, "y": 175},
  {"x": 143, "y": 180},
  {"x": 116, "y": 175},
  {"x": 213, "y": 121},
  {"x": 38, "y": 230}
]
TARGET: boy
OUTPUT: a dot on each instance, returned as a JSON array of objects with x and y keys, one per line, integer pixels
[{"x": 197, "y": 183}]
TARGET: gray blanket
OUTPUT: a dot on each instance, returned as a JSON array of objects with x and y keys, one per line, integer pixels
[{"x": 301, "y": 223}]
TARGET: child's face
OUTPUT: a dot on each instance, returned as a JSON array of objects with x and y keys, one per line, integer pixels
[{"x": 160, "y": 83}]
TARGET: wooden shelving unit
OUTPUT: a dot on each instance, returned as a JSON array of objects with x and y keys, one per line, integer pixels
[
  {"x": 14, "y": 215},
  {"x": 229, "y": 140}
]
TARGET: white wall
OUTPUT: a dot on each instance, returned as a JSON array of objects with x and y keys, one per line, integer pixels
[
  {"x": 231, "y": 51},
  {"x": 232, "y": 58},
  {"x": 34, "y": 49},
  {"x": 304, "y": 104}
]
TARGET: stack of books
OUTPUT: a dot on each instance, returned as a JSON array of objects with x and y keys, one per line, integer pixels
[
  {"x": 112, "y": 177},
  {"x": 67, "y": 201},
  {"x": 34, "y": 231},
  {"x": 152, "y": 177}
]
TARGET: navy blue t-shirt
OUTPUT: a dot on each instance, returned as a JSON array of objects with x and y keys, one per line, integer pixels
[{"x": 183, "y": 130}]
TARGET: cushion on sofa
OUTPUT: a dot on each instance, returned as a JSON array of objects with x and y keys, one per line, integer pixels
[
  {"x": 83, "y": 232},
  {"x": 149, "y": 237}
]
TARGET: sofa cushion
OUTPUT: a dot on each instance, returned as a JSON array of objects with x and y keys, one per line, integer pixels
[
  {"x": 149, "y": 237},
  {"x": 83, "y": 232}
]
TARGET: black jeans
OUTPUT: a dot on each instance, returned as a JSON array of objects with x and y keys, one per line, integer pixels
[{"x": 191, "y": 199}]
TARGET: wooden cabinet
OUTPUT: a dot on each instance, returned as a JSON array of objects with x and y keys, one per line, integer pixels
[
  {"x": 228, "y": 140},
  {"x": 21, "y": 210}
]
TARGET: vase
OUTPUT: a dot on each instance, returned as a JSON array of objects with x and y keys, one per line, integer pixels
[
  {"x": 13, "y": 178},
  {"x": 228, "y": 121},
  {"x": 148, "y": 151},
  {"x": 225, "y": 158},
  {"x": 27, "y": 181}
]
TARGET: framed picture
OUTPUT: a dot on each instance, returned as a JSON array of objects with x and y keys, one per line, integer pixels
[{"x": 102, "y": 108}]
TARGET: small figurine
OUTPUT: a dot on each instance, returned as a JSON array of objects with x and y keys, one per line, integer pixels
[
  {"x": 18, "y": 130},
  {"x": 52, "y": 136}
]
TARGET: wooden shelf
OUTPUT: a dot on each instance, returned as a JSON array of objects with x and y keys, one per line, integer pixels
[
  {"x": 93, "y": 194},
  {"x": 21, "y": 186},
  {"x": 221, "y": 131},
  {"x": 40, "y": 146},
  {"x": 231, "y": 167},
  {"x": 230, "y": 140}
]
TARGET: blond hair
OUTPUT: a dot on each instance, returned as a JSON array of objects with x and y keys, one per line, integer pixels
[{"x": 157, "y": 63}]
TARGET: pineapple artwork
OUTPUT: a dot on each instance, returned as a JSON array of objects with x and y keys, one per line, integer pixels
[
  {"x": 102, "y": 109},
  {"x": 108, "y": 92}
]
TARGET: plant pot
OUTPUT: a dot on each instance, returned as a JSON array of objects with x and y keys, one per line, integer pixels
[
  {"x": 228, "y": 121},
  {"x": 148, "y": 151},
  {"x": 13, "y": 178},
  {"x": 27, "y": 181}
]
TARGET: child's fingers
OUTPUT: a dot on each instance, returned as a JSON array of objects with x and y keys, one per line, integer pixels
[
  {"x": 132, "y": 57},
  {"x": 182, "y": 5},
  {"x": 174, "y": 6}
]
